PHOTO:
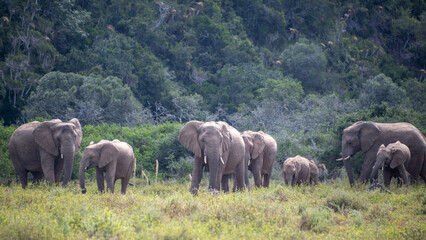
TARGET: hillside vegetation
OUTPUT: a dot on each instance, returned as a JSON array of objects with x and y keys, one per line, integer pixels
[{"x": 301, "y": 71}]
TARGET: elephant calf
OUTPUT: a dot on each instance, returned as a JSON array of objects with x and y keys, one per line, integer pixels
[
  {"x": 260, "y": 152},
  {"x": 392, "y": 159},
  {"x": 297, "y": 170},
  {"x": 115, "y": 158}
]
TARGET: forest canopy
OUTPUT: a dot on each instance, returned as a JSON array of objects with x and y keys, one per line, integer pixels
[{"x": 301, "y": 71}]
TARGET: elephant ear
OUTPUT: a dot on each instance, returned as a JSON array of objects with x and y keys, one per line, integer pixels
[
  {"x": 368, "y": 134},
  {"x": 188, "y": 137},
  {"x": 108, "y": 153},
  {"x": 258, "y": 145},
  {"x": 44, "y": 137},
  {"x": 78, "y": 132},
  {"x": 398, "y": 157},
  {"x": 227, "y": 138}
]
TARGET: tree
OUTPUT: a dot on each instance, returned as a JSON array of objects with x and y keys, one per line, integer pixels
[
  {"x": 92, "y": 99},
  {"x": 305, "y": 61},
  {"x": 381, "y": 89},
  {"x": 238, "y": 84}
]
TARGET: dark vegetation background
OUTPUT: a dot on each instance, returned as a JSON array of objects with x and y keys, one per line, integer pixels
[{"x": 301, "y": 71}]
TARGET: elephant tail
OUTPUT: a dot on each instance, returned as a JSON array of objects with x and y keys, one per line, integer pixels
[{"x": 134, "y": 171}]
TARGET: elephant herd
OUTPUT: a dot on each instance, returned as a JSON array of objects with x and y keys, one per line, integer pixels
[{"x": 48, "y": 149}]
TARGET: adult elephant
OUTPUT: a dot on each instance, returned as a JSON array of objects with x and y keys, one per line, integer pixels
[
  {"x": 220, "y": 148},
  {"x": 368, "y": 136},
  {"x": 114, "y": 158},
  {"x": 45, "y": 148},
  {"x": 260, "y": 152}
]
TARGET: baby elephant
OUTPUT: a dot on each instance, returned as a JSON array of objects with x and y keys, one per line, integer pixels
[
  {"x": 114, "y": 158},
  {"x": 297, "y": 170},
  {"x": 392, "y": 159}
]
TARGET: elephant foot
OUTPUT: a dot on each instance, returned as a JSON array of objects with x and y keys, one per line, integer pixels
[
  {"x": 83, "y": 191},
  {"x": 213, "y": 191}
]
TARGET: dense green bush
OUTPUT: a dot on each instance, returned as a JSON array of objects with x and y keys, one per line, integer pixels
[{"x": 6, "y": 167}]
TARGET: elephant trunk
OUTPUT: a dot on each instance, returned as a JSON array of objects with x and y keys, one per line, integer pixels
[
  {"x": 349, "y": 171},
  {"x": 374, "y": 173},
  {"x": 81, "y": 176},
  {"x": 68, "y": 152},
  {"x": 288, "y": 178},
  {"x": 213, "y": 160}
]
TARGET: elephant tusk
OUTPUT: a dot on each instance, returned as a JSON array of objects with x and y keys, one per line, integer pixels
[
  {"x": 221, "y": 159},
  {"x": 205, "y": 159},
  {"x": 343, "y": 159},
  {"x": 248, "y": 163},
  {"x": 62, "y": 155}
]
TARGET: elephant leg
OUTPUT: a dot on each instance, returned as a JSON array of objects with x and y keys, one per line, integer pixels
[
  {"x": 23, "y": 178},
  {"x": 266, "y": 178},
  {"x": 225, "y": 183},
  {"x": 197, "y": 173},
  {"x": 293, "y": 181},
  {"x": 37, "y": 176},
  {"x": 403, "y": 173},
  {"x": 257, "y": 177},
  {"x": 59, "y": 169},
  {"x": 386, "y": 177},
  {"x": 48, "y": 166},
  {"x": 100, "y": 180},
  {"x": 124, "y": 184},
  {"x": 239, "y": 176},
  {"x": 110, "y": 179},
  {"x": 367, "y": 166}
]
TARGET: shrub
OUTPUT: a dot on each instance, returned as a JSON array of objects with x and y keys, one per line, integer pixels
[
  {"x": 316, "y": 219},
  {"x": 341, "y": 201}
]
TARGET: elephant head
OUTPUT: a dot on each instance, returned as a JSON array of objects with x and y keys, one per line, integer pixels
[
  {"x": 60, "y": 139},
  {"x": 359, "y": 136},
  {"x": 391, "y": 156},
  {"x": 290, "y": 173},
  {"x": 96, "y": 155},
  {"x": 208, "y": 141},
  {"x": 254, "y": 144}
]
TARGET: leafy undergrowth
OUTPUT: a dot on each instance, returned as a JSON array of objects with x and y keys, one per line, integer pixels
[{"x": 168, "y": 211}]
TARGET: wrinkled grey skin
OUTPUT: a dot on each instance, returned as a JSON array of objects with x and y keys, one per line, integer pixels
[
  {"x": 260, "y": 152},
  {"x": 45, "y": 148},
  {"x": 296, "y": 170},
  {"x": 392, "y": 159},
  {"x": 218, "y": 147},
  {"x": 368, "y": 136},
  {"x": 313, "y": 173},
  {"x": 114, "y": 158}
]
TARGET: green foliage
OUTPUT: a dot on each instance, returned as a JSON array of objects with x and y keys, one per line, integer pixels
[
  {"x": 7, "y": 170},
  {"x": 92, "y": 99},
  {"x": 287, "y": 92},
  {"x": 380, "y": 90},
  {"x": 299, "y": 70},
  {"x": 305, "y": 61},
  {"x": 240, "y": 83},
  {"x": 341, "y": 201}
]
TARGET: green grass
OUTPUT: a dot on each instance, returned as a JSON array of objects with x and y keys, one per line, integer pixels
[{"x": 168, "y": 211}]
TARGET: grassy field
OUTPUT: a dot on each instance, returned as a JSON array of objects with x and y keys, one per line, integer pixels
[{"x": 168, "y": 211}]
